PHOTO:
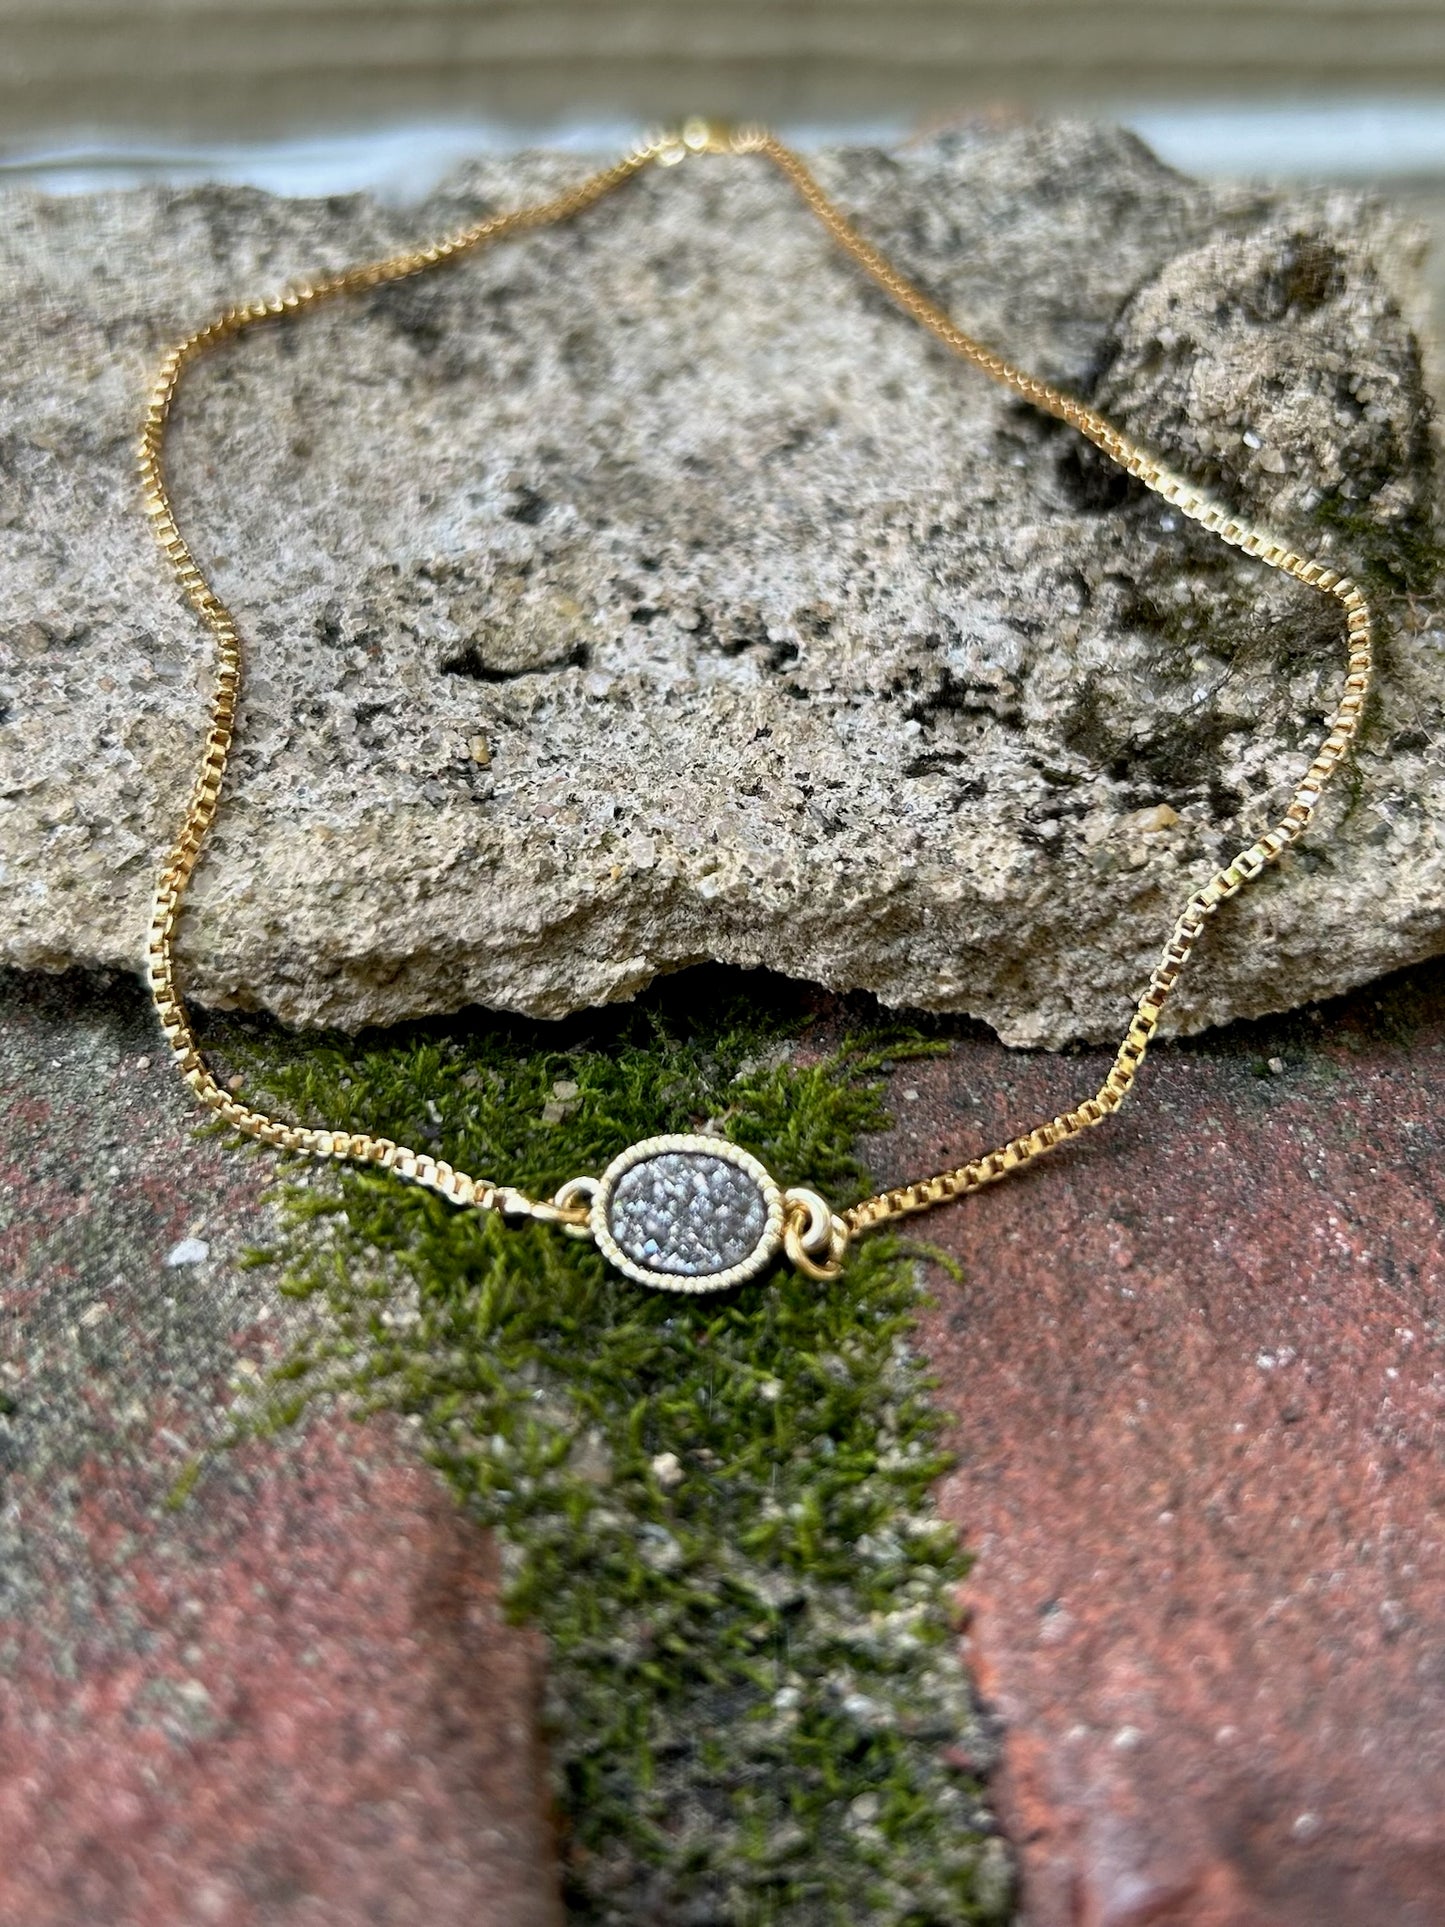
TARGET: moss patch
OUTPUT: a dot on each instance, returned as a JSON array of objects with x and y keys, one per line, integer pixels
[
  {"x": 717, "y": 1510},
  {"x": 1396, "y": 559}
]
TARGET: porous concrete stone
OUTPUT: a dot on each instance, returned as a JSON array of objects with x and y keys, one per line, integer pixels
[{"x": 651, "y": 590}]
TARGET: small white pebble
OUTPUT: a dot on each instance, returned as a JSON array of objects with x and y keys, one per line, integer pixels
[
  {"x": 1306, "y": 1826},
  {"x": 910, "y": 1097},
  {"x": 771, "y": 1389},
  {"x": 1251, "y": 440},
  {"x": 787, "y": 1699},
  {"x": 92, "y": 1317},
  {"x": 142, "y": 1063},
  {"x": 190, "y": 1251},
  {"x": 1126, "y": 1739},
  {"x": 1276, "y": 1067},
  {"x": 667, "y": 1470},
  {"x": 212, "y": 1900},
  {"x": 565, "y": 1089}
]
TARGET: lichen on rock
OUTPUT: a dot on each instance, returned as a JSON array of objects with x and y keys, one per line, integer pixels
[{"x": 789, "y": 640}]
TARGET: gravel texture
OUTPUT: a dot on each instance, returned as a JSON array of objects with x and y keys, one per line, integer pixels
[
  {"x": 128, "y": 1328},
  {"x": 650, "y": 591}
]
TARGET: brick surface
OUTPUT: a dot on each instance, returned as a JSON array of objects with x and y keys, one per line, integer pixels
[
  {"x": 296, "y": 1705},
  {"x": 1195, "y": 1381},
  {"x": 288, "y": 1700},
  {"x": 1195, "y": 1376}
]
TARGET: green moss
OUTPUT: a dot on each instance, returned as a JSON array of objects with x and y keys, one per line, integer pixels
[
  {"x": 1401, "y": 558},
  {"x": 717, "y": 1510}
]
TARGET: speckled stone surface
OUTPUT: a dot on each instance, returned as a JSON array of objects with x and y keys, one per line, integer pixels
[
  {"x": 652, "y": 591},
  {"x": 687, "y": 1212}
]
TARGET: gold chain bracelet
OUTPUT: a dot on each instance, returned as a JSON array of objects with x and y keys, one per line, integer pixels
[{"x": 697, "y": 1213}]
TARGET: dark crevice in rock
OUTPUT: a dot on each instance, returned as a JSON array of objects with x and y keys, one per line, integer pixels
[{"x": 469, "y": 662}]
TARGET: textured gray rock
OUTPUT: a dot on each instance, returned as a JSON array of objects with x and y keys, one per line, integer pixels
[{"x": 650, "y": 590}]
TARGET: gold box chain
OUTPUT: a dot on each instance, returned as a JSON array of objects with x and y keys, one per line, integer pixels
[{"x": 816, "y": 1239}]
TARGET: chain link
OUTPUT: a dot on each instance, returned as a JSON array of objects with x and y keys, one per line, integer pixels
[{"x": 665, "y": 149}]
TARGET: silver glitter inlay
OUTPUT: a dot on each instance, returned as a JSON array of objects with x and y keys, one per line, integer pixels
[{"x": 687, "y": 1212}]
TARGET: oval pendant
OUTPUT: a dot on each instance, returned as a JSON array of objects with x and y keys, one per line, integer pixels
[{"x": 687, "y": 1214}]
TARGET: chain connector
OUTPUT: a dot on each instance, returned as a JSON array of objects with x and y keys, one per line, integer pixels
[
  {"x": 565, "y": 1209},
  {"x": 699, "y": 135},
  {"x": 572, "y": 1207},
  {"x": 814, "y": 1236}
]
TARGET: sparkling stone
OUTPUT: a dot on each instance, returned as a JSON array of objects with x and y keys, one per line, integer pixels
[{"x": 687, "y": 1212}]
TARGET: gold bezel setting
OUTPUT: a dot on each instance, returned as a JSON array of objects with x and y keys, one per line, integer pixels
[{"x": 644, "y": 1152}]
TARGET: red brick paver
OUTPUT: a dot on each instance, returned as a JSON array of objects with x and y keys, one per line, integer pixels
[
  {"x": 305, "y": 1711},
  {"x": 289, "y": 1701},
  {"x": 1196, "y": 1373}
]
